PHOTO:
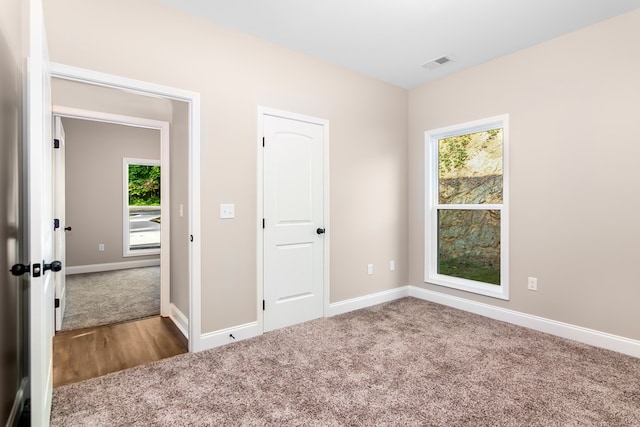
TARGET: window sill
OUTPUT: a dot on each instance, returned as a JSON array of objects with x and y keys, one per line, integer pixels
[{"x": 480, "y": 288}]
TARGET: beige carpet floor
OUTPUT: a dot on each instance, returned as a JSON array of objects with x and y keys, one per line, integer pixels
[
  {"x": 404, "y": 363},
  {"x": 108, "y": 297}
]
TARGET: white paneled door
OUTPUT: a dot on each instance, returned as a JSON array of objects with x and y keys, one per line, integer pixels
[
  {"x": 294, "y": 228},
  {"x": 40, "y": 214}
]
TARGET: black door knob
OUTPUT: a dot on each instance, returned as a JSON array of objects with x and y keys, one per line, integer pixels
[
  {"x": 20, "y": 269},
  {"x": 320, "y": 231},
  {"x": 54, "y": 266},
  {"x": 67, "y": 229}
]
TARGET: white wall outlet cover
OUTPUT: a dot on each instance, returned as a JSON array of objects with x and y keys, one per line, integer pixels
[{"x": 227, "y": 210}]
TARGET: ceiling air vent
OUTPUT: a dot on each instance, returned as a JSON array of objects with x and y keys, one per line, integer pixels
[{"x": 438, "y": 62}]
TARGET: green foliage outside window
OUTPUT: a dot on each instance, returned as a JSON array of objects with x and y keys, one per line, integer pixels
[
  {"x": 144, "y": 185},
  {"x": 453, "y": 152}
]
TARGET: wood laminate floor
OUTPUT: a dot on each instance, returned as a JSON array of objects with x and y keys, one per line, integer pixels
[{"x": 92, "y": 352}]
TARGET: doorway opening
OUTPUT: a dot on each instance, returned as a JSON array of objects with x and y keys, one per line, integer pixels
[
  {"x": 112, "y": 257},
  {"x": 181, "y": 305}
]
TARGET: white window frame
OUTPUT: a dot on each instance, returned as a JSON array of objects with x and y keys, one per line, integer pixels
[
  {"x": 126, "y": 244},
  {"x": 432, "y": 206}
]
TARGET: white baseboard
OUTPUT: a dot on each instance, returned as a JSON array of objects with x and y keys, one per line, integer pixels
[
  {"x": 93, "y": 268},
  {"x": 179, "y": 319},
  {"x": 592, "y": 337},
  {"x": 229, "y": 335},
  {"x": 367, "y": 301}
]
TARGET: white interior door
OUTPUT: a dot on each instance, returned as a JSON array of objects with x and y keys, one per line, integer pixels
[
  {"x": 40, "y": 217},
  {"x": 59, "y": 213},
  {"x": 294, "y": 221}
]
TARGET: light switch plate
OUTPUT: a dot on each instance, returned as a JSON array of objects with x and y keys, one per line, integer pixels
[{"x": 227, "y": 210}]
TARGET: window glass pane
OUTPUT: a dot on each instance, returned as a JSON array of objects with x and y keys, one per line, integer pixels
[
  {"x": 469, "y": 244},
  {"x": 470, "y": 168},
  {"x": 144, "y": 207}
]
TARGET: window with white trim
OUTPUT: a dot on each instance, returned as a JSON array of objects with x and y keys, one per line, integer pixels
[
  {"x": 141, "y": 207},
  {"x": 466, "y": 212}
]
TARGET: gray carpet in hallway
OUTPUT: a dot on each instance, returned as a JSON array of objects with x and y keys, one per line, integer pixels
[
  {"x": 108, "y": 297},
  {"x": 403, "y": 363}
]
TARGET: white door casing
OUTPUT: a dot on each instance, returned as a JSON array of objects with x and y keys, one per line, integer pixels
[
  {"x": 59, "y": 213},
  {"x": 193, "y": 100},
  {"x": 39, "y": 149},
  {"x": 294, "y": 220}
]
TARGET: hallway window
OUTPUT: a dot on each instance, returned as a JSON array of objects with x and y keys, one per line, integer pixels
[
  {"x": 141, "y": 214},
  {"x": 466, "y": 224}
]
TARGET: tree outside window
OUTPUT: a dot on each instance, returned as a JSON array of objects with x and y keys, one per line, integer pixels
[{"x": 142, "y": 207}]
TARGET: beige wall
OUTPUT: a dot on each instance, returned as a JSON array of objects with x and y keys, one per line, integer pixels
[
  {"x": 94, "y": 155},
  {"x": 234, "y": 73},
  {"x": 179, "y": 154},
  {"x": 573, "y": 106}
]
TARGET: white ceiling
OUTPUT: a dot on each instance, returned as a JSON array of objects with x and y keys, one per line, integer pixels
[{"x": 391, "y": 39}]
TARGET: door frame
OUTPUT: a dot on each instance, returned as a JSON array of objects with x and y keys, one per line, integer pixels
[
  {"x": 266, "y": 111},
  {"x": 144, "y": 88},
  {"x": 165, "y": 195},
  {"x": 59, "y": 197}
]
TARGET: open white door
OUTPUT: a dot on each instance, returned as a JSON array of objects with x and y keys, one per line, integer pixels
[
  {"x": 59, "y": 213},
  {"x": 40, "y": 217}
]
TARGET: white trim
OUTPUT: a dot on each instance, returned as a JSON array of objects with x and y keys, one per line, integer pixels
[
  {"x": 260, "y": 217},
  {"x": 264, "y": 111},
  {"x": 94, "y": 268},
  {"x": 115, "y": 119},
  {"x": 223, "y": 336},
  {"x": 193, "y": 99},
  {"x": 432, "y": 206},
  {"x": 179, "y": 319},
  {"x": 195, "y": 254},
  {"x": 592, "y": 337},
  {"x": 367, "y": 300}
]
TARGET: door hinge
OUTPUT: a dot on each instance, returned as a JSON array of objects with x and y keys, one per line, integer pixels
[
  {"x": 263, "y": 141},
  {"x": 56, "y": 303},
  {"x": 56, "y": 143},
  {"x": 56, "y": 223},
  {"x": 191, "y": 237},
  {"x": 264, "y": 305},
  {"x": 264, "y": 223}
]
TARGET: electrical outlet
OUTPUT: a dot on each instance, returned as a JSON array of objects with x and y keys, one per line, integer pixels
[
  {"x": 392, "y": 265},
  {"x": 101, "y": 247},
  {"x": 369, "y": 269},
  {"x": 532, "y": 284}
]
